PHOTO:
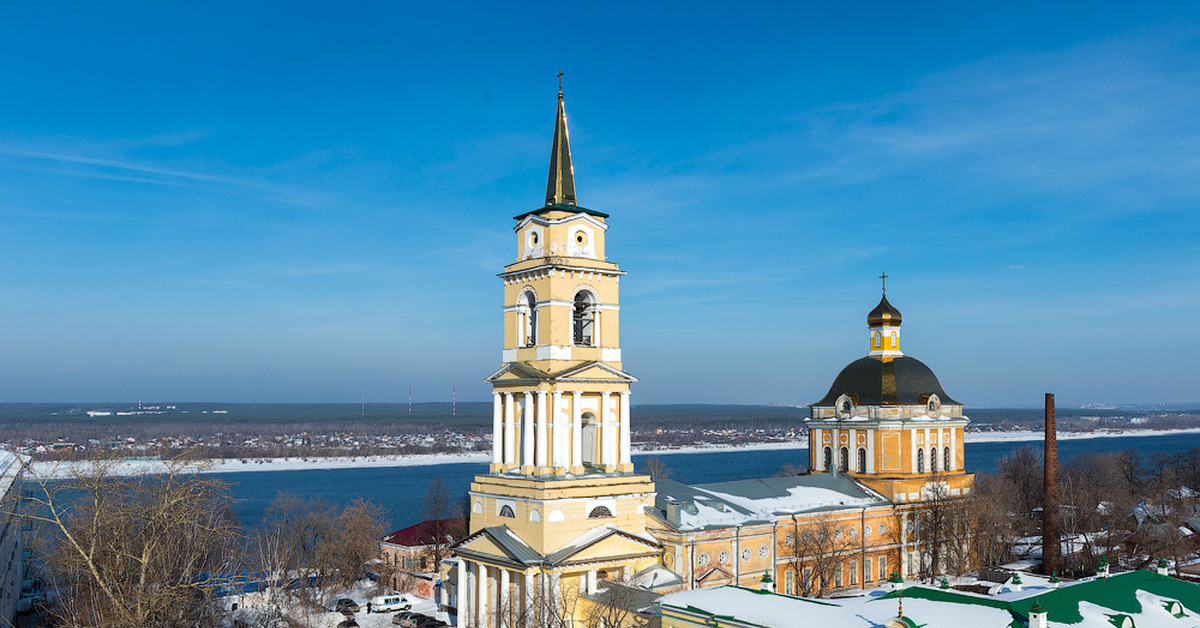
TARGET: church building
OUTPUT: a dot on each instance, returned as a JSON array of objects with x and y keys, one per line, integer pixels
[{"x": 562, "y": 523}]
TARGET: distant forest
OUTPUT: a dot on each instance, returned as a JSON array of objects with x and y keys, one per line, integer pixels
[{"x": 55, "y": 421}]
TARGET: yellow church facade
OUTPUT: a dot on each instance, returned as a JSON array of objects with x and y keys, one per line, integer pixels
[{"x": 563, "y": 530}]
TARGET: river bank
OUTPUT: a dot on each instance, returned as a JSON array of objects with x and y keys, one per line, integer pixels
[{"x": 131, "y": 467}]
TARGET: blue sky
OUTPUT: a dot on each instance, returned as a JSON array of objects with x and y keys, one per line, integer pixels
[{"x": 299, "y": 202}]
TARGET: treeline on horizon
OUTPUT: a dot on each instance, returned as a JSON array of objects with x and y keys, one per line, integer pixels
[{"x": 48, "y": 422}]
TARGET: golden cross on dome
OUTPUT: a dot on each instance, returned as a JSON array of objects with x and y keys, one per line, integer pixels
[
  {"x": 560, "y": 75},
  {"x": 883, "y": 277}
]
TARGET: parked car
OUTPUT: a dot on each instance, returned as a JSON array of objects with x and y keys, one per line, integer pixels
[
  {"x": 429, "y": 622},
  {"x": 349, "y": 623},
  {"x": 345, "y": 604},
  {"x": 399, "y": 618},
  {"x": 411, "y": 620},
  {"x": 389, "y": 603}
]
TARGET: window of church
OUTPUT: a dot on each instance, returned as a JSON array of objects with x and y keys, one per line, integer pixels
[
  {"x": 789, "y": 540},
  {"x": 507, "y": 511},
  {"x": 946, "y": 458},
  {"x": 878, "y": 341},
  {"x": 600, "y": 512},
  {"x": 933, "y": 459},
  {"x": 862, "y": 459},
  {"x": 584, "y": 318},
  {"x": 844, "y": 459},
  {"x": 762, "y": 551},
  {"x": 837, "y": 577},
  {"x": 530, "y": 320},
  {"x": 807, "y": 580},
  {"x": 868, "y": 575},
  {"x": 920, "y": 461},
  {"x": 723, "y": 557},
  {"x": 789, "y": 582},
  {"x": 883, "y": 574},
  {"x": 702, "y": 559},
  {"x": 882, "y": 529},
  {"x": 828, "y": 459},
  {"x": 747, "y": 555},
  {"x": 853, "y": 572}
]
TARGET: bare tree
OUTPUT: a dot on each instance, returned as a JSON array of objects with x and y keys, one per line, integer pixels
[
  {"x": 941, "y": 528},
  {"x": 817, "y": 550},
  {"x": 617, "y": 604},
  {"x": 443, "y": 521},
  {"x": 325, "y": 548},
  {"x": 540, "y": 607},
  {"x": 656, "y": 468},
  {"x": 133, "y": 550}
]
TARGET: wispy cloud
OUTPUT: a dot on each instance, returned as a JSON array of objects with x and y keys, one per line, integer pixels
[{"x": 1089, "y": 118}]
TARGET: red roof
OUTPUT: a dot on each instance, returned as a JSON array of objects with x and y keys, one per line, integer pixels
[{"x": 422, "y": 533}]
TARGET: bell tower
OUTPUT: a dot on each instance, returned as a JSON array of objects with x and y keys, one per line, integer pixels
[
  {"x": 560, "y": 507},
  {"x": 561, "y": 399}
]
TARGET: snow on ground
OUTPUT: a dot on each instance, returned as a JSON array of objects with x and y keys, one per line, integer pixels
[
  {"x": 253, "y": 604},
  {"x": 59, "y": 469}
]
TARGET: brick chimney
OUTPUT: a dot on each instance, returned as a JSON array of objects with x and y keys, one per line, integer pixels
[{"x": 1051, "y": 548}]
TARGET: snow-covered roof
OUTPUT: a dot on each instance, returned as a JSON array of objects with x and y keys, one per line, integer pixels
[
  {"x": 1144, "y": 596},
  {"x": 762, "y": 500}
]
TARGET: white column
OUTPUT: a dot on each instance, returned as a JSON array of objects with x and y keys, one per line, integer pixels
[
  {"x": 481, "y": 600},
  {"x": 528, "y": 591},
  {"x": 497, "y": 429},
  {"x": 625, "y": 457},
  {"x": 460, "y": 594},
  {"x": 576, "y": 429},
  {"x": 605, "y": 430},
  {"x": 510, "y": 430},
  {"x": 870, "y": 451},
  {"x": 502, "y": 603},
  {"x": 541, "y": 428},
  {"x": 556, "y": 450},
  {"x": 556, "y": 591},
  {"x": 596, "y": 325},
  {"x": 527, "y": 432},
  {"x": 591, "y": 582},
  {"x": 953, "y": 449}
]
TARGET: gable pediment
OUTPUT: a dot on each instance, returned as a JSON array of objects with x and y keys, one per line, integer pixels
[
  {"x": 593, "y": 371},
  {"x": 600, "y": 544},
  {"x": 517, "y": 371}
]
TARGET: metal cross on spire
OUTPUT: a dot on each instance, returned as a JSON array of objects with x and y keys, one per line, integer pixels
[
  {"x": 560, "y": 75},
  {"x": 883, "y": 278}
]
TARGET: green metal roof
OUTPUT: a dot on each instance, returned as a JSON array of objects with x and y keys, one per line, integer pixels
[
  {"x": 565, "y": 208},
  {"x": 1116, "y": 593}
]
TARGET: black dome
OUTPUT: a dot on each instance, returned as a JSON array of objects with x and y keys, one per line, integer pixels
[{"x": 899, "y": 381}]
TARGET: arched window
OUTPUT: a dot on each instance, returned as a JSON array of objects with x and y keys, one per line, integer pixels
[
  {"x": 946, "y": 459},
  {"x": 507, "y": 511},
  {"x": 933, "y": 459},
  {"x": 844, "y": 459},
  {"x": 531, "y": 320},
  {"x": 600, "y": 512},
  {"x": 862, "y": 459},
  {"x": 583, "y": 317},
  {"x": 895, "y": 340},
  {"x": 878, "y": 340},
  {"x": 920, "y": 461},
  {"x": 828, "y": 466}
]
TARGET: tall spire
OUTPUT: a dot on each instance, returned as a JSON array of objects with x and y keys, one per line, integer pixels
[{"x": 560, "y": 186}]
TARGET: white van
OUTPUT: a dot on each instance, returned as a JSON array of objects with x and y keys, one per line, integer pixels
[{"x": 387, "y": 603}]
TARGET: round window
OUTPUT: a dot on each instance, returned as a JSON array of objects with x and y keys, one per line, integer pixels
[
  {"x": 702, "y": 559},
  {"x": 723, "y": 557},
  {"x": 882, "y": 529},
  {"x": 867, "y": 531},
  {"x": 762, "y": 551},
  {"x": 746, "y": 554},
  {"x": 581, "y": 238},
  {"x": 789, "y": 540}
]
